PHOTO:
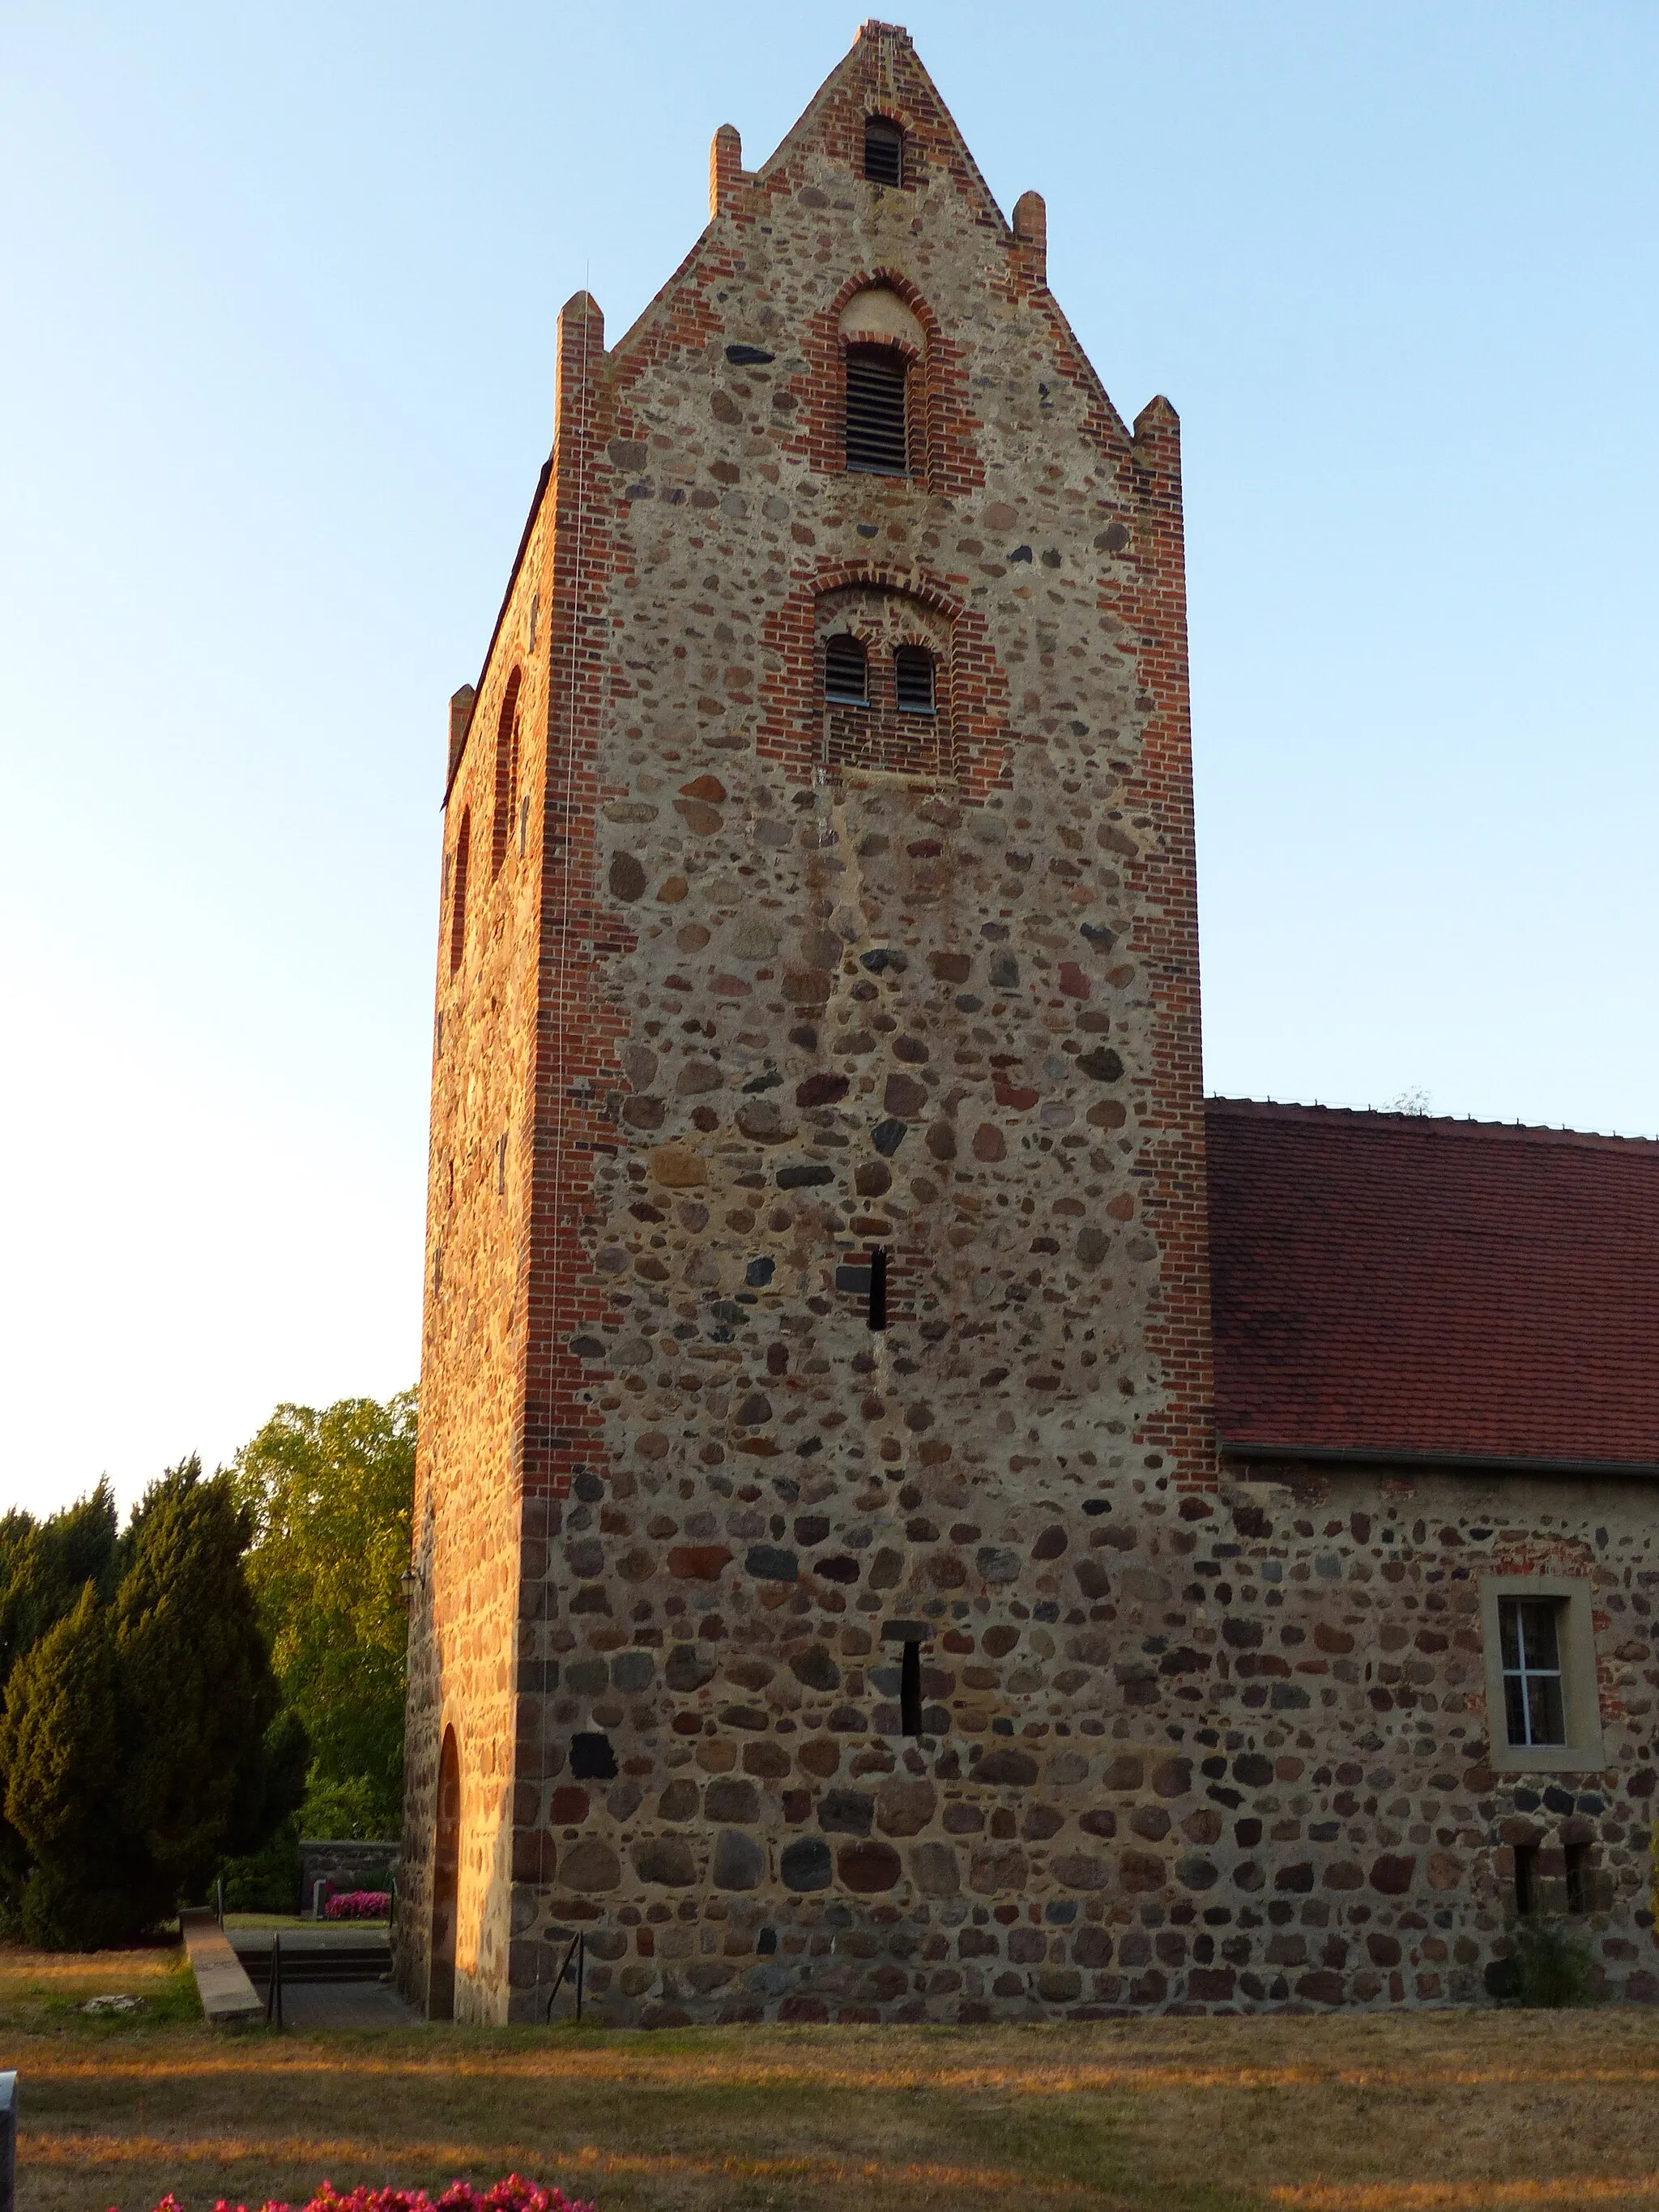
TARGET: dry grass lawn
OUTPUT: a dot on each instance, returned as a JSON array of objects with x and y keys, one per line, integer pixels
[{"x": 1441, "y": 2110}]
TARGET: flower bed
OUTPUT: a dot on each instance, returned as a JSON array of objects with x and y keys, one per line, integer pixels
[
  {"x": 511, "y": 2194},
  {"x": 358, "y": 1905}
]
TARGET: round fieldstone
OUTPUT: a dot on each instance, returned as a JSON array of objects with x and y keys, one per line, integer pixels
[
  {"x": 933, "y": 1870},
  {"x": 626, "y": 878},
  {"x": 740, "y": 1862},
  {"x": 849, "y": 1811},
  {"x": 806, "y": 1864},
  {"x": 1080, "y": 1870},
  {"x": 590, "y": 1866},
  {"x": 869, "y": 1868},
  {"x": 729, "y": 1799},
  {"x": 991, "y": 1870},
  {"x": 813, "y": 1667},
  {"x": 1392, "y": 1874},
  {"x": 1004, "y": 1768},
  {"x": 665, "y": 1859}
]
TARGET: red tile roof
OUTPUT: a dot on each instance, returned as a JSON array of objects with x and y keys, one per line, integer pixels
[{"x": 1388, "y": 1283}]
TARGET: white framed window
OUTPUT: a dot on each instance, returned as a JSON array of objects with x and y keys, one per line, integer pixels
[{"x": 1543, "y": 1705}]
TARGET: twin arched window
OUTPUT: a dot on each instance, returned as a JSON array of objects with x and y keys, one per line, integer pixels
[{"x": 846, "y": 675}]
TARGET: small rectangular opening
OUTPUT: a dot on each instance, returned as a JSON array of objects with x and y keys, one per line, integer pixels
[
  {"x": 877, "y": 1307},
  {"x": 1526, "y": 1878},
  {"x": 591, "y": 1758},
  {"x": 910, "y": 1690},
  {"x": 1578, "y": 1868}
]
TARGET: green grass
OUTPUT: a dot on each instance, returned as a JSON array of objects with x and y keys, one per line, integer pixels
[{"x": 1134, "y": 2116}]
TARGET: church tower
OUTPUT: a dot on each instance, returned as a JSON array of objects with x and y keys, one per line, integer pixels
[{"x": 817, "y": 1314}]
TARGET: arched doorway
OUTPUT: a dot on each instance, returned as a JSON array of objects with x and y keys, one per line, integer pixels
[{"x": 446, "y": 1883}]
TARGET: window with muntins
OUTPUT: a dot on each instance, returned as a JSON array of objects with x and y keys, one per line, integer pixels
[
  {"x": 884, "y": 151},
  {"x": 1534, "y": 1711},
  {"x": 877, "y": 444},
  {"x": 846, "y": 672}
]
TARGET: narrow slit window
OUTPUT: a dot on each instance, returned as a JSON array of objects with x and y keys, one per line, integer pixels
[
  {"x": 877, "y": 1309},
  {"x": 1577, "y": 1873},
  {"x": 591, "y": 1758},
  {"x": 910, "y": 1690},
  {"x": 884, "y": 151},
  {"x": 458, "y": 903},
  {"x": 1535, "y": 1712},
  {"x": 913, "y": 680},
  {"x": 876, "y": 440},
  {"x": 846, "y": 672},
  {"x": 507, "y": 774},
  {"x": 1526, "y": 1878}
]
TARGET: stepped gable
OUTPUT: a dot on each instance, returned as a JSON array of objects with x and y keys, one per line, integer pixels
[{"x": 1400, "y": 1285}]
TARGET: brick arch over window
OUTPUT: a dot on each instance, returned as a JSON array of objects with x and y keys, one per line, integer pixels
[
  {"x": 944, "y": 456},
  {"x": 506, "y": 772},
  {"x": 838, "y": 599}
]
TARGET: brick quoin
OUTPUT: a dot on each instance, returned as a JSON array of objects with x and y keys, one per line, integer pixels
[{"x": 755, "y": 985}]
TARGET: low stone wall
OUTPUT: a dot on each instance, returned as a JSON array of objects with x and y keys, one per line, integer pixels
[{"x": 345, "y": 1864}]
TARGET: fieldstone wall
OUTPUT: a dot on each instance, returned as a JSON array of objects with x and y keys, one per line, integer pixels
[
  {"x": 344, "y": 1864},
  {"x": 1190, "y": 1754}
]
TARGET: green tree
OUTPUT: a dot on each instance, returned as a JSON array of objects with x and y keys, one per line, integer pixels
[
  {"x": 330, "y": 1494},
  {"x": 198, "y": 1695},
  {"x": 60, "y": 1744},
  {"x": 44, "y": 1565},
  {"x": 143, "y": 1733}
]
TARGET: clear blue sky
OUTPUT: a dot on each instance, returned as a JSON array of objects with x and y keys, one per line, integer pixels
[{"x": 280, "y": 290}]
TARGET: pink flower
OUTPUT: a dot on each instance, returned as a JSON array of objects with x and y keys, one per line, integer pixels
[{"x": 511, "y": 2194}]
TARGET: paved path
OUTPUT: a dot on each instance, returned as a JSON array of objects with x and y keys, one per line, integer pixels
[{"x": 345, "y": 2004}]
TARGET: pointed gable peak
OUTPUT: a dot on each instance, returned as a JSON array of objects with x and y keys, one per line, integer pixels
[{"x": 880, "y": 81}]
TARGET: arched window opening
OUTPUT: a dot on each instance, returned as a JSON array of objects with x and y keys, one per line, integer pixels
[
  {"x": 884, "y": 151},
  {"x": 846, "y": 672},
  {"x": 446, "y": 1884},
  {"x": 877, "y": 443},
  {"x": 458, "y": 897},
  {"x": 913, "y": 680},
  {"x": 507, "y": 774}
]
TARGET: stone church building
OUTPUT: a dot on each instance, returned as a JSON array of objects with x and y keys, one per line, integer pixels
[{"x": 920, "y": 1514}]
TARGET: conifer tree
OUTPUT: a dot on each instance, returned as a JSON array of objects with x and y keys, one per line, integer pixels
[
  {"x": 142, "y": 1735},
  {"x": 196, "y": 1692},
  {"x": 45, "y": 1567},
  {"x": 60, "y": 1749}
]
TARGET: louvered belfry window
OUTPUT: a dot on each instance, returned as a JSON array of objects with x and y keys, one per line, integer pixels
[
  {"x": 876, "y": 441},
  {"x": 884, "y": 151},
  {"x": 913, "y": 680},
  {"x": 846, "y": 672}
]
